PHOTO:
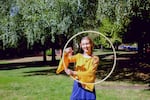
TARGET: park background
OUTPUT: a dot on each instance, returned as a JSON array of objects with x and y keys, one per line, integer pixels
[{"x": 34, "y": 32}]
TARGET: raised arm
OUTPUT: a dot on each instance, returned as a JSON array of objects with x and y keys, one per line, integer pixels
[{"x": 67, "y": 59}]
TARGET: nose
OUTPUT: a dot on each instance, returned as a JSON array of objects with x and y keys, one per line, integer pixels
[{"x": 86, "y": 45}]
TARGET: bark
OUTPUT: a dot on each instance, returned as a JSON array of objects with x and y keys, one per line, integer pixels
[
  {"x": 44, "y": 56},
  {"x": 53, "y": 54}
]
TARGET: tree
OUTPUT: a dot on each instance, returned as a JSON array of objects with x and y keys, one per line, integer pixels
[
  {"x": 113, "y": 16},
  {"x": 40, "y": 22},
  {"x": 8, "y": 35},
  {"x": 128, "y": 17},
  {"x": 138, "y": 28}
]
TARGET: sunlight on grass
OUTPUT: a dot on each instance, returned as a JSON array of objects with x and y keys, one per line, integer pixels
[
  {"x": 3, "y": 62},
  {"x": 41, "y": 83},
  {"x": 19, "y": 85}
]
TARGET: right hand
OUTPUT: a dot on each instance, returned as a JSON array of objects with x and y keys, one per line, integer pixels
[{"x": 69, "y": 51}]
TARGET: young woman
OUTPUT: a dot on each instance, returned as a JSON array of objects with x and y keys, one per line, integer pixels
[{"x": 84, "y": 72}]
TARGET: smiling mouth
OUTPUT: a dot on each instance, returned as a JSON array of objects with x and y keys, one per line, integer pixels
[{"x": 86, "y": 49}]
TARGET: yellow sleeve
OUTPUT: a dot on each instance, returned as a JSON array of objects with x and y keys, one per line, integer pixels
[{"x": 65, "y": 63}]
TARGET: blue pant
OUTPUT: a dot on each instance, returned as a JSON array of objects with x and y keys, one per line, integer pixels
[{"x": 79, "y": 93}]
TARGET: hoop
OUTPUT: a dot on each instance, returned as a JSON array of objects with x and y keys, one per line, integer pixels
[{"x": 114, "y": 52}]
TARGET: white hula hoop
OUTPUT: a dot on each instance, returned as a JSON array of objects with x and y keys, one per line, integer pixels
[{"x": 114, "y": 53}]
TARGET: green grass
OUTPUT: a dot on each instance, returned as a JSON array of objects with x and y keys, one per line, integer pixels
[
  {"x": 109, "y": 52},
  {"x": 19, "y": 85},
  {"x": 3, "y": 62},
  {"x": 41, "y": 83},
  {"x": 117, "y": 93}
]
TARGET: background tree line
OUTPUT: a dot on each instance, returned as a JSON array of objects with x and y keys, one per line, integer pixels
[{"x": 37, "y": 25}]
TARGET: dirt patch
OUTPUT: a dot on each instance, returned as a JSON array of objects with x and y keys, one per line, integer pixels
[
  {"x": 28, "y": 59},
  {"x": 142, "y": 87}
]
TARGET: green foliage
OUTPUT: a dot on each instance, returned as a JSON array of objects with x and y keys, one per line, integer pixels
[
  {"x": 6, "y": 25},
  {"x": 39, "y": 20},
  {"x": 35, "y": 19},
  {"x": 115, "y": 15},
  {"x": 110, "y": 30},
  {"x": 49, "y": 52},
  {"x": 112, "y": 15},
  {"x": 116, "y": 10}
]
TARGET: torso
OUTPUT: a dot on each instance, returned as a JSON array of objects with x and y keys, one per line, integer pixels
[{"x": 83, "y": 63}]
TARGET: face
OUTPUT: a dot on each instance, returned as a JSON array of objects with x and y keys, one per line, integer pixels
[{"x": 86, "y": 46}]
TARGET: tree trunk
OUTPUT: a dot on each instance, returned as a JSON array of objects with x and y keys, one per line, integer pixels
[
  {"x": 116, "y": 46},
  {"x": 140, "y": 50},
  {"x": 44, "y": 56},
  {"x": 53, "y": 54}
]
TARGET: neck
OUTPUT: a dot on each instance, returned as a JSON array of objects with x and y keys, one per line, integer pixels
[{"x": 87, "y": 54}]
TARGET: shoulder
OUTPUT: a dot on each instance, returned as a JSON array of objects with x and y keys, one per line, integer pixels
[
  {"x": 79, "y": 55},
  {"x": 95, "y": 59}
]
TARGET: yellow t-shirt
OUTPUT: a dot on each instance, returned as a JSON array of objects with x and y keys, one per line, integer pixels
[{"x": 85, "y": 68}]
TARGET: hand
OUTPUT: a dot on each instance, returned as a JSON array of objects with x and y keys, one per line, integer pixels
[
  {"x": 69, "y": 51},
  {"x": 69, "y": 71}
]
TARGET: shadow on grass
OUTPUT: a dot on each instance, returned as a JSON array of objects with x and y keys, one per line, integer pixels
[
  {"x": 51, "y": 71},
  {"x": 11, "y": 66},
  {"x": 131, "y": 69},
  {"x": 126, "y": 69}
]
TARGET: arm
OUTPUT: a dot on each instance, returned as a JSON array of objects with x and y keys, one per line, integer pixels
[
  {"x": 61, "y": 66},
  {"x": 67, "y": 59}
]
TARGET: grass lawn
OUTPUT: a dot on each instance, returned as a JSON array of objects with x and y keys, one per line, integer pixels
[{"x": 41, "y": 83}]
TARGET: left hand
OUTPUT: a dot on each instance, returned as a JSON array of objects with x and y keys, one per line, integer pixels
[{"x": 69, "y": 71}]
